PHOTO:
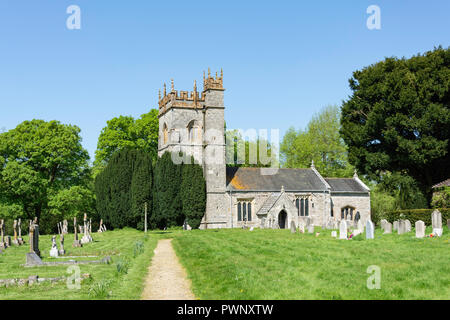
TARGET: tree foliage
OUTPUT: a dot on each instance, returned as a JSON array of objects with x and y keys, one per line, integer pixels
[
  {"x": 125, "y": 131},
  {"x": 39, "y": 159},
  {"x": 321, "y": 142},
  {"x": 398, "y": 118},
  {"x": 193, "y": 193},
  {"x": 123, "y": 187}
]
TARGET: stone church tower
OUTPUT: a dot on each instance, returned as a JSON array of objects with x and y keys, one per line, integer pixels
[{"x": 193, "y": 123}]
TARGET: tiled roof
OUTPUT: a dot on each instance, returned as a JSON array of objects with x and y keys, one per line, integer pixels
[
  {"x": 445, "y": 183},
  {"x": 269, "y": 203},
  {"x": 254, "y": 179},
  {"x": 345, "y": 185}
]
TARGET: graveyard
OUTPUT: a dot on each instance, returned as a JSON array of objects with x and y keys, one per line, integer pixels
[{"x": 239, "y": 264}]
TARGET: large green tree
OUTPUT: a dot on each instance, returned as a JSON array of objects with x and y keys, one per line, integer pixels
[
  {"x": 193, "y": 193},
  {"x": 123, "y": 187},
  {"x": 321, "y": 142},
  {"x": 125, "y": 131},
  {"x": 38, "y": 159},
  {"x": 398, "y": 118}
]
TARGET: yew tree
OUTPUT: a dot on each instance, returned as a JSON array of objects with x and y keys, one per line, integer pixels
[{"x": 398, "y": 118}]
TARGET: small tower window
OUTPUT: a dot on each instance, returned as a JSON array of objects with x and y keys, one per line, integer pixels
[{"x": 165, "y": 134}]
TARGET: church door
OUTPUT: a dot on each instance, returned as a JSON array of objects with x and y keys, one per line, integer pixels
[{"x": 282, "y": 217}]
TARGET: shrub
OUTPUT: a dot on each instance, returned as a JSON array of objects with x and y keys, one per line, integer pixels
[
  {"x": 122, "y": 265},
  {"x": 138, "y": 248},
  {"x": 99, "y": 289},
  {"x": 414, "y": 215}
]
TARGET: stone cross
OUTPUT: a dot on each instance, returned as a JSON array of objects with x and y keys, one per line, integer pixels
[
  {"x": 343, "y": 230},
  {"x": 369, "y": 230},
  {"x": 420, "y": 229}
]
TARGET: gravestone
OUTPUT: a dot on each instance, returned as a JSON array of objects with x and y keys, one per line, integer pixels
[
  {"x": 395, "y": 225},
  {"x": 19, "y": 229},
  {"x": 16, "y": 236},
  {"x": 420, "y": 229},
  {"x": 61, "y": 245},
  {"x": 2, "y": 234},
  {"x": 65, "y": 227},
  {"x": 408, "y": 227},
  {"x": 369, "y": 230},
  {"x": 293, "y": 229},
  {"x": 311, "y": 228},
  {"x": 86, "y": 238},
  {"x": 436, "y": 221},
  {"x": 401, "y": 227},
  {"x": 54, "y": 249},
  {"x": 387, "y": 228},
  {"x": 301, "y": 227},
  {"x": 263, "y": 223},
  {"x": 343, "y": 230},
  {"x": 360, "y": 226},
  {"x": 34, "y": 237},
  {"x": 76, "y": 242},
  {"x": 334, "y": 234},
  {"x": 8, "y": 241},
  {"x": 383, "y": 222}
]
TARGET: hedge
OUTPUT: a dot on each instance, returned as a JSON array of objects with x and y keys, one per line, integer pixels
[{"x": 414, "y": 215}]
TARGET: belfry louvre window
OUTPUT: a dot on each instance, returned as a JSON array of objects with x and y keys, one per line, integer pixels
[{"x": 244, "y": 211}]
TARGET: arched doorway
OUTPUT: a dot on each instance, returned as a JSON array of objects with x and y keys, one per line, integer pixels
[{"x": 282, "y": 219}]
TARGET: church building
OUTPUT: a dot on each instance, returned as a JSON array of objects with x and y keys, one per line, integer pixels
[{"x": 193, "y": 123}]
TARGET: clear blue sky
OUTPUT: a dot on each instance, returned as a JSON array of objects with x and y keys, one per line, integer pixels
[{"x": 283, "y": 60}]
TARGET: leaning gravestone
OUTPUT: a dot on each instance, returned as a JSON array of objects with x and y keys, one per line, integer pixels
[
  {"x": 293, "y": 229},
  {"x": 420, "y": 229},
  {"x": 343, "y": 230},
  {"x": 395, "y": 226},
  {"x": 436, "y": 221},
  {"x": 387, "y": 228},
  {"x": 369, "y": 230}
]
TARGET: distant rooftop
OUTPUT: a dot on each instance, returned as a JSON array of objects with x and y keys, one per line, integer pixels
[{"x": 445, "y": 183}]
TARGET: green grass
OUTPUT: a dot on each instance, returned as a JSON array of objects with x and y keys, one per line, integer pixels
[
  {"x": 275, "y": 264},
  {"x": 105, "y": 283},
  {"x": 238, "y": 264}
]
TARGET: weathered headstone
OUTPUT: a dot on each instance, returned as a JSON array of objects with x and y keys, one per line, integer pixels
[
  {"x": 16, "y": 236},
  {"x": 383, "y": 222},
  {"x": 76, "y": 242},
  {"x": 293, "y": 229},
  {"x": 369, "y": 230},
  {"x": 401, "y": 227},
  {"x": 34, "y": 238},
  {"x": 436, "y": 221},
  {"x": 408, "y": 227},
  {"x": 61, "y": 245},
  {"x": 395, "y": 226},
  {"x": 54, "y": 249},
  {"x": 311, "y": 228},
  {"x": 343, "y": 230},
  {"x": 2, "y": 234},
  {"x": 19, "y": 229},
  {"x": 334, "y": 234},
  {"x": 387, "y": 228},
  {"x": 360, "y": 226},
  {"x": 420, "y": 229}
]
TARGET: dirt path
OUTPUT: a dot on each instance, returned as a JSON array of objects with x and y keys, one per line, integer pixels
[{"x": 166, "y": 278}]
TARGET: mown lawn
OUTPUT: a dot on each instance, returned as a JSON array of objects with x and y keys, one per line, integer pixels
[
  {"x": 105, "y": 282},
  {"x": 275, "y": 264}
]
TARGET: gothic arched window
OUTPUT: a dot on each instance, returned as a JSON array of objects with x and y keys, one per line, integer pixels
[{"x": 165, "y": 134}]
